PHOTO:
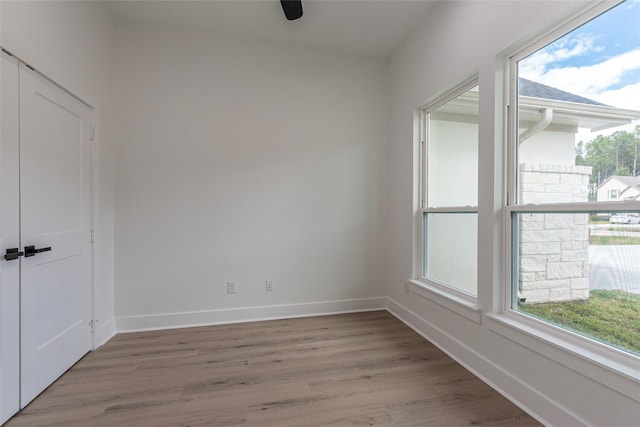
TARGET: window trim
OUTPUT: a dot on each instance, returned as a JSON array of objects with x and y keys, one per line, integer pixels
[
  {"x": 585, "y": 356},
  {"x": 558, "y": 344},
  {"x": 459, "y": 304},
  {"x": 434, "y": 287}
]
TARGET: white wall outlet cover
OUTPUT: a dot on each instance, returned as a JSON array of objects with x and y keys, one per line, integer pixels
[{"x": 231, "y": 287}]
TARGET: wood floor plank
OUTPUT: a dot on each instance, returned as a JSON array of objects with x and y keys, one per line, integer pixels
[{"x": 343, "y": 370}]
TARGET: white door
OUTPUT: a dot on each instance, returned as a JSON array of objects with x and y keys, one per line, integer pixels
[
  {"x": 9, "y": 240},
  {"x": 55, "y": 209}
]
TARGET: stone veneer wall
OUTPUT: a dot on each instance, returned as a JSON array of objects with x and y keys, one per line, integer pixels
[{"x": 554, "y": 248}]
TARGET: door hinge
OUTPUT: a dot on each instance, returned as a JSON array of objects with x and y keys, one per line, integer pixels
[
  {"x": 92, "y": 324},
  {"x": 92, "y": 236},
  {"x": 92, "y": 133}
]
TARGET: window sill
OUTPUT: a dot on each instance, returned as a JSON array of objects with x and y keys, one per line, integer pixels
[
  {"x": 448, "y": 300},
  {"x": 615, "y": 369}
]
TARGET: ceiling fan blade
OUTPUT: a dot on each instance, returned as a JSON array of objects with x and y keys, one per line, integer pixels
[{"x": 292, "y": 9}]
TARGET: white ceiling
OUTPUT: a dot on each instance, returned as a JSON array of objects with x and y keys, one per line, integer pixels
[{"x": 372, "y": 27}]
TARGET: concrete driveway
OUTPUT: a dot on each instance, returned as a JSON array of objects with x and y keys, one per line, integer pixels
[
  {"x": 620, "y": 230},
  {"x": 615, "y": 267}
]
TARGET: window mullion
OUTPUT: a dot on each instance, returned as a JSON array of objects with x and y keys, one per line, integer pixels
[
  {"x": 588, "y": 207},
  {"x": 452, "y": 210}
]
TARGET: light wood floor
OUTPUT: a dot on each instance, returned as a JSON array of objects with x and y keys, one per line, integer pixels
[{"x": 346, "y": 370}]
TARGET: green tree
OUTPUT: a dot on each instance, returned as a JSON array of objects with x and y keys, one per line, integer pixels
[
  {"x": 580, "y": 151},
  {"x": 623, "y": 143},
  {"x": 636, "y": 148},
  {"x": 599, "y": 157},
  {"x": 615, "y": 154}
]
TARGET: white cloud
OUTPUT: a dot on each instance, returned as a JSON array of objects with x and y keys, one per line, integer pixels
[
  {"x": 538, "y": 63},
  {"x": 592, "y": 81},
  {"x": 595, "y": 81},
  {"x": 625, "y": 97}
]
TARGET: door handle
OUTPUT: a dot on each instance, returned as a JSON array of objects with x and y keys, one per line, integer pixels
[
  {"x": 30, "y": 251},
  {"x": 12, "y": 254}
]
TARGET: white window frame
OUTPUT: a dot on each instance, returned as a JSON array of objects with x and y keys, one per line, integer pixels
[
  {"x": 439, "y": 292},
  {"x": 613, "y": 193},
  {"x": 575, "y": 351}
]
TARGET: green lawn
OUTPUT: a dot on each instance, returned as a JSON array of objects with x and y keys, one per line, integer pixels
[
  {"x": 635, "y": 228},
  {"x": 612, "y": 317},
  {"x": 614, "y": 240}
]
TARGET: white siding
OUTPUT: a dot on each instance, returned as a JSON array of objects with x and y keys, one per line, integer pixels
[
  {"x": 610, "y": 188},
  {"x": 453, "y": 164},
  {"x": 549, "y": 148}
]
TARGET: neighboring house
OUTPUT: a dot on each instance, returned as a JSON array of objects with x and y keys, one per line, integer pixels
[{"x": 619, "y": 188}]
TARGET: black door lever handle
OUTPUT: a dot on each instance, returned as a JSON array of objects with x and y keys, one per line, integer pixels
[
  {"x": 12, "y": 254},
  {"x": 30, "y": 251}
]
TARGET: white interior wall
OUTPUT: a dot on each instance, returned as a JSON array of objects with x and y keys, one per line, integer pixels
[
  {"x": 456, "y": 39},
  {"x": 72, "y": 43},
  {"x": 246, "y": 161}
]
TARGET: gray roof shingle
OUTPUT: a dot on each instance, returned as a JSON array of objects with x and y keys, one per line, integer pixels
[
  {"x": 631, "y": 181},
  {"x": 538, "y": 90}
]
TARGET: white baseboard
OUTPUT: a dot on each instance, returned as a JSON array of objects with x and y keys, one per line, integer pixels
[
  {"x": 104, "y": 332},
  {"x": 535, "y": 403},
  {"x": 245, "y": 314}
]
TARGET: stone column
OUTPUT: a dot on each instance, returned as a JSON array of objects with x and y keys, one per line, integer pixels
[{"x": 554, "y": 248}]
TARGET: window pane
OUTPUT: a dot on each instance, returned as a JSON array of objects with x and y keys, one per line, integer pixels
[
  {"x": 581, "y": 271},
  {"x": 579, "y": 114},
  {"x": 451, "y": 249},
  {"x": 452, "y": 156}
]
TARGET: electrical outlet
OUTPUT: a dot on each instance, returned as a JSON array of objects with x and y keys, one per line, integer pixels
[
  {"x": 268, "y": 285},
  {"x": 231, "y": 287}
]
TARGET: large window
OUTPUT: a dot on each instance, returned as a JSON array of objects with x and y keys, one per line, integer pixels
[
  {"x": 574, "y": 190},
  {"x": 449, "y": 187}
]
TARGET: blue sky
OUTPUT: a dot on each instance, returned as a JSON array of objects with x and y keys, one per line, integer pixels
[{"x": 600, "y": 60}]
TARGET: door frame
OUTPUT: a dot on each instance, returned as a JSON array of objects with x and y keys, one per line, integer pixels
[
  {"x": 51, "y": 72},
  {"x": 10, "y": 211},
  {"x": 32, "y": 57}
]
